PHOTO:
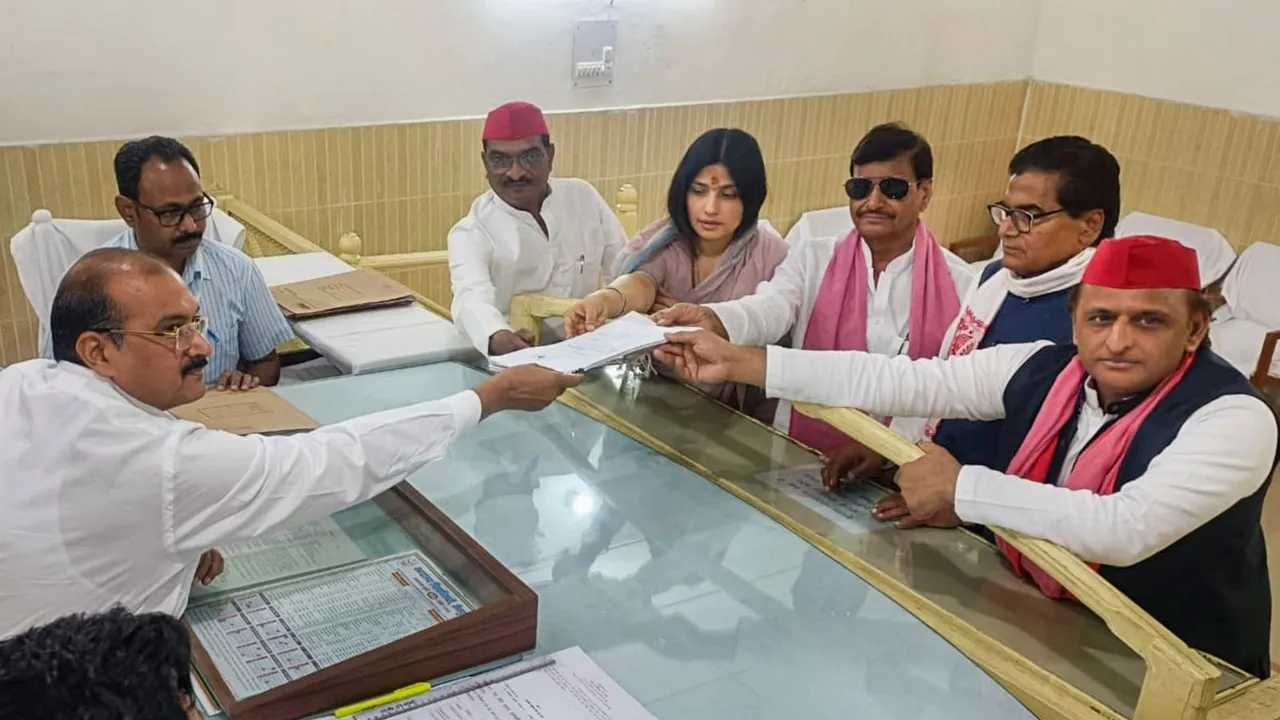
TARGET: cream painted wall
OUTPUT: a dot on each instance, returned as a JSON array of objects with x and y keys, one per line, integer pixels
[
  {"x": 1218, "y": 53},
  {"x": 85, "y": 69}
]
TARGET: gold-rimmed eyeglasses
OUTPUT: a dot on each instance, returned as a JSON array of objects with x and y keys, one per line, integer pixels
[{"x": 182, "y": 336}]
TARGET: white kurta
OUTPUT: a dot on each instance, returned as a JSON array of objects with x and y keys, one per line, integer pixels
[
  {"x": 785, "y": 302},
  {"x": 1222, "y": 453},
  {"x": 497, "y": 251},
  {"x": 108, "y": 501}
]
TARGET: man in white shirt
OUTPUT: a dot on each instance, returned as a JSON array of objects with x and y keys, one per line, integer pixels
[
  {"x": 108, "y": 499},
  {"x": 887, "y": 288},
  {"x": 530, "y": 233},
  {"x": 1138, "y": 448}
]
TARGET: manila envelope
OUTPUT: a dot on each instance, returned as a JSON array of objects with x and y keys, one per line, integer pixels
[
  {"x": 259, "y": 411},
  {"x": 356, "y": 290}
]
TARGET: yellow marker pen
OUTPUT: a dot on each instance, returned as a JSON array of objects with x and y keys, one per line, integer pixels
[{"x": 403, "y": 693}]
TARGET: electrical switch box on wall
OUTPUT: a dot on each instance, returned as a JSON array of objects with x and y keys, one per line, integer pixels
[{"x": 593, "y": 52}]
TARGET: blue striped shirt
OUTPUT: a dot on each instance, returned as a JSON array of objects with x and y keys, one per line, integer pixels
[{"x": 245, "y": 324}]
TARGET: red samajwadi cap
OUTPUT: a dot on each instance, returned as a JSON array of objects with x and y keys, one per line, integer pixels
[
  {"x": 1143, "y": 262},
  {"x": 514, "y": 121}
]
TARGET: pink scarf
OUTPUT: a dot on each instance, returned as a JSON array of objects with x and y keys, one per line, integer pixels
[
  {"x": 1096, "y": 468},
  {"x": 839, "y": 318}
]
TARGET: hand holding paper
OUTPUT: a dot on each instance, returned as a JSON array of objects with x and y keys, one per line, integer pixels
[
  {"x": 527, "y": 387},
  {"x": 702, "y": 356}
]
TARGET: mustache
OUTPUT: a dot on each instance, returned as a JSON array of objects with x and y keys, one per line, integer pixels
[
  {"x": 517, "y": 183},
  {"x": 876, "y": 213},
  {"x": 188, "y": 237},
  {"x": 198, "y": 364}
]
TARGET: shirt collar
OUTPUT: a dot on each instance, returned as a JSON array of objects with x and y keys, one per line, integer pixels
[
  {"x": 524, "y": 214},
  {"x": 902, "y": 263},
  {"x": 96, "y": 382},
  {"x": 196, "y": 269},
  {"x": 1119, "y": 407}
]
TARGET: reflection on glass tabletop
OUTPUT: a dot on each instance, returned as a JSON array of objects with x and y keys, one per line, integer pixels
[{"x": 695, "y": 602}]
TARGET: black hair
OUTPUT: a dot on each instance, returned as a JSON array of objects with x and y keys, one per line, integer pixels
[
  {"x": 890, "y": 141},
  {"x": 1090, "y": 176},
  {"x": 83, "y": 303},
  {"x": 546, "y": 142},
  {"x": 109, "y": 666},
  {"x": 739, "y": 152},
  {"x": 134, "y": 154}
]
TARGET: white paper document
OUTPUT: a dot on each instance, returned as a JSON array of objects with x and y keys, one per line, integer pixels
[
  {"x": 850, "y": 506},
  {"x": 283, "y": 554},
  {"x": 625, "y": 336},
  {"x": 267, "y": 637},
  {"x": 574, "y": 688}
]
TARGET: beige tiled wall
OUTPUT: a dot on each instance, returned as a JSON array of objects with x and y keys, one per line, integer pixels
[
  {"x": 1200, "y": 165},
  {"x": 400, "y": 187}
]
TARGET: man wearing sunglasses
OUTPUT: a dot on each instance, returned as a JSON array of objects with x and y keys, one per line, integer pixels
[
  {"x": 1062, "y": 200},
  {"x": 108, "y": 499},
  {"x": 887, "y": 288},
  {"x": 530, "y": 233},
  {"x": 164, "y": 203}
]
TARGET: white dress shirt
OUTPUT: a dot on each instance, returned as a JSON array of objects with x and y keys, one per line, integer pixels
[
  {"x": 1222, "y": 454},
  {"x": 785, "y": 302},
  {"x": 497, "y": 251},
  {"x": 108, "y": 501}
]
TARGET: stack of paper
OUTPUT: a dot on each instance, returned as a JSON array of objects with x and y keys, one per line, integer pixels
[
  {"x": 572, "y": 688},
  {"x": 628, "y": 335},
  {"x": 346, "y": 292}
]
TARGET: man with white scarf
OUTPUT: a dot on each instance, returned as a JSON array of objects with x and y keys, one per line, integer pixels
[{"x": 1063, "y": 199}]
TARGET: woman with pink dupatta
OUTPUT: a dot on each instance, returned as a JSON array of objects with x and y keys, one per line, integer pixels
[{"x": 709, "y": 248}]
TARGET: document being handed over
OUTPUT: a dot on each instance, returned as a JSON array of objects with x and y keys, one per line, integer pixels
[{"x": 625, "y": 336}]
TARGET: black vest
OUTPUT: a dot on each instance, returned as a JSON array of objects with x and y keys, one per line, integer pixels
[{"x": 1211, "y": 587}]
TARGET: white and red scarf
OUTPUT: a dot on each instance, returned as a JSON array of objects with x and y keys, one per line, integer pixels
[{"x": 984, "y": 299}]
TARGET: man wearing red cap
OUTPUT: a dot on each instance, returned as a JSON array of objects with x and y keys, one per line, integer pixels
[
  {"x": 1137, "y": 448},
  {"x": 530, "y": 233}
]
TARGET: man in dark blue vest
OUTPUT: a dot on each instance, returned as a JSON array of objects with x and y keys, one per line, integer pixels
[
  {"x": 1062, "y": 200},
  {"x": 1137, "y": 448}
]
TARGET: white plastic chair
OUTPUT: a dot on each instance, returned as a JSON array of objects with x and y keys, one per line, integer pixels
[
  {"x": 829, "y": 223},
  {"x": 46, "y": 248},
  {"x": 1214, "y": 253},
  {"x": 1245, "y": 331}
]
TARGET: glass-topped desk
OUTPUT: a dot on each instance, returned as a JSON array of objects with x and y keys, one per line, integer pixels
[
  {"x": 698, "y": 604},
  {"x": 960, "y": 574}
]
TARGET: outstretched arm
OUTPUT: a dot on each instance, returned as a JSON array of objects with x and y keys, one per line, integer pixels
[{"x": 971, "y": 386}]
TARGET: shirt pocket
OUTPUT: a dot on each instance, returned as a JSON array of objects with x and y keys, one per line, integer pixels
[
  {"x": 588, "y": 265},
  {"x": 533, "y": 265}
]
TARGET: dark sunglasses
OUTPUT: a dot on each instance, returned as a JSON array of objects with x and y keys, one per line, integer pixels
[{"x": 893, "y": 188}]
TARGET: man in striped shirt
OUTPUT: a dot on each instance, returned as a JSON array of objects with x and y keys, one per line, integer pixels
[{"x": 165, "y": 205}]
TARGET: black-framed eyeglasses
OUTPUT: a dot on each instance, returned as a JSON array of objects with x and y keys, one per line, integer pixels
[
  {"x": 893, "y": 188},
  {"x": 173, "y": 217},
  {"x": 1022, "y": 220},
  {"x": 182, "y": 336},
  {"x": 530, "y": 159}
]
